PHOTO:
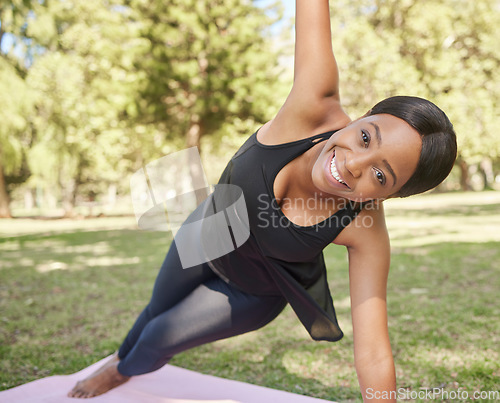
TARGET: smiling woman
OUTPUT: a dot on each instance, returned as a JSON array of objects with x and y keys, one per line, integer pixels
[
  {"x": 336, "y": 172},
  {"x": 369, "y": 159}
]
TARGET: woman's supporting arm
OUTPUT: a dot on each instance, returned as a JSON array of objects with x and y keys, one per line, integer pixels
[{"x": 369, "y": 259}]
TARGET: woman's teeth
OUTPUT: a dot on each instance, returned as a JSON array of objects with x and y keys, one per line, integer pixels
[{"x": 335, "y": 173}]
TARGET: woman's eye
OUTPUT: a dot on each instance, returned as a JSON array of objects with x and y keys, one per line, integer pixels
[
  {"x": 380, "y": 177},
  {"x": 365, "y": 137}
]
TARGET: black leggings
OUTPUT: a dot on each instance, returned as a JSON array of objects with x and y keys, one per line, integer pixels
[{"x": 190, "y": 307}]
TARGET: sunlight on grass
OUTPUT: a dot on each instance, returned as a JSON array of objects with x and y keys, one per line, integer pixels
[
  {"x": 320, "y": 366},
  {"x": 70, "y": 290},
  {"x": 406, "y": 232},
  {"x": 443, "y": 201},
  {"x": 450, "y": 359},
  {"x": 50, "y": 266},
  {"x": 83, "y": 263},
  {"x": 430, "y": 219},
  {"x": 25, "y": 226}
]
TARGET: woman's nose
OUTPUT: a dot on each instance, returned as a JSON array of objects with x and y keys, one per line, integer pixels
[{"x": 355, "y": 163}]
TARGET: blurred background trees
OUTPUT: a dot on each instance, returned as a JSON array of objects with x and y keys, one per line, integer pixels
[
  {"x": 442, "y": 50},
  {"x": 93, "y": 90}
]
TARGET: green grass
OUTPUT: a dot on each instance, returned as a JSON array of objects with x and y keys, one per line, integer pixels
[{"x": 70, "y": 290}]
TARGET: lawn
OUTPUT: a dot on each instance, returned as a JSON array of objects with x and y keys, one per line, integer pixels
[{"x": 69, "y": 291}]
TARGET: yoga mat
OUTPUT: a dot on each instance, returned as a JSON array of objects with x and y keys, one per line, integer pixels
[{"x": 169, "y": 384}]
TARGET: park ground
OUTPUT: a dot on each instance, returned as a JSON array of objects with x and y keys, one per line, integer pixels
[{"x": 70, "y": 290}]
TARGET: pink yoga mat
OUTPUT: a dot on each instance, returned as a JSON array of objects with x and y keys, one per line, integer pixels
[{"x": 167, "y": 385}]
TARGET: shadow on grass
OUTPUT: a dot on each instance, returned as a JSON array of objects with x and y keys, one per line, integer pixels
[
  {"x": 64, "y": 296},
  {"x": 79, "y": 247},
  {"x": 450, "y": 211},
  {"x": 275, "y": 359},
  {"x": 68, "y": 299}
]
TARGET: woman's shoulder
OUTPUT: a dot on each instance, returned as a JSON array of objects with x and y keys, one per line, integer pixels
[
  {"x": 290, "y": 125},
  {"x": 367, "y": 229}
]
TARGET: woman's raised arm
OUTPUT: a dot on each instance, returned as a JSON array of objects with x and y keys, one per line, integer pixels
[
  {"x": 315, "y": 69},
  {"x": 313, "y": 103}
]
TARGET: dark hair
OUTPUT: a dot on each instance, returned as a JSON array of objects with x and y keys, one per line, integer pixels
[{"x": 439, "y": 144}]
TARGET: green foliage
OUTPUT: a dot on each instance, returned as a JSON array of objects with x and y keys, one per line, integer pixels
[
  {"x": 207, "y": 63},
  {"x": 442, "y": 50},
  {"x": 15, "y": 102},
  {"x": 15, "y": 105},
  {"x": 119, "y": 83},
  {"x": 84, "y": 82}
]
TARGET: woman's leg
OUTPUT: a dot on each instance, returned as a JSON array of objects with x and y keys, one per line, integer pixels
[
  {"x": 189, "y": 307},
  {"x": 172, "y": 284},
  {"x": 213, "y": 311}
]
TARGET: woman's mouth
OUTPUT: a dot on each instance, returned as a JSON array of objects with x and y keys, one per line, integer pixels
[{"x": 334, "y": 171}]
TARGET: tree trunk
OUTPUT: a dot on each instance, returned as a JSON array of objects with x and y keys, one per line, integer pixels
[
  {"x": 69, "y": 190},
  {"x": 111, "y": 199},
  {"x": 29, "y": 200},
  {"x": 4, "y": 196},
  {"x": 194, "y": 133},
  {"x": 464, "y": 175},
  {"x": 195, "y": 169},
  {"x": 486, "y": 170},
  {"x": 67, "y": 197}
]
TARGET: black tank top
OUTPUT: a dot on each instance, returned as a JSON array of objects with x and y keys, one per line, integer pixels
[{"x": 280, "y": 257}]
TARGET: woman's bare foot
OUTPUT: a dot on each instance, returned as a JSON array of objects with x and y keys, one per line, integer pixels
[{"x": 105, "y": 378}]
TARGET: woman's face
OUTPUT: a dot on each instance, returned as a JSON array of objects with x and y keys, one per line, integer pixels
[{"x": 371, "y": 158}]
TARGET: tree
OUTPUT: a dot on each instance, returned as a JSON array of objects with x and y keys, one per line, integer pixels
[
  {"x": 208, "y": 67},
  {"x": 15, "y": 101},
  {"x": 82, "y": 84},
  {"x": 442, "y": 50},
  {"x": 208, "y": 62},
  {"x": 116, "y": 84}
]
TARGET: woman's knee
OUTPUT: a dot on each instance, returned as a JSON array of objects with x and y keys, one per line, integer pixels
[{"x": 259, "y": 312}]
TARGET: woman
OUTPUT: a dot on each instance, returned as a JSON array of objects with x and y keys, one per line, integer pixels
[{"x": 311, "y": 151}]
